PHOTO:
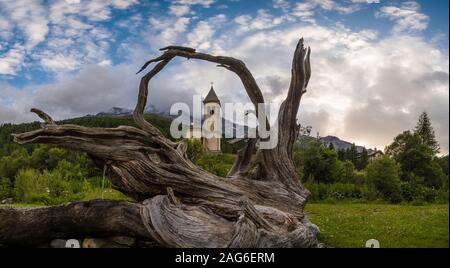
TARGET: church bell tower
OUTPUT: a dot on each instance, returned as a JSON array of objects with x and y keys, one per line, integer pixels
[{"x": 212, "y": 122}]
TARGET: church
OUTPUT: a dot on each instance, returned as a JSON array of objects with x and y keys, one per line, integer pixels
[{"x": 211, "y": 122}]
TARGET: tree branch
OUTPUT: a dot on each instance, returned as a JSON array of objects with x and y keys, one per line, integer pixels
[
  {"x": 47, "y": 119},
  {"x": 232, "y": 64},
  {"x": 98, "y": 218}
]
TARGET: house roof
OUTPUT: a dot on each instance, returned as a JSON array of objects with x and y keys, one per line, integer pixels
[{"x": 211, "y": 97}]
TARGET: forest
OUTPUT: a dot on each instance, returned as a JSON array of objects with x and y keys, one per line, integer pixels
[{"x": 410, "y": 170}]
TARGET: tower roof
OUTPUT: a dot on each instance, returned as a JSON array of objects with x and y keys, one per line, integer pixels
[{"x": 211, "y": 97}]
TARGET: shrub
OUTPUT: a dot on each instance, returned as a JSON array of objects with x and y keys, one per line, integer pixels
[
  {"x": 383, "y": 175},
  {"x": 30, "y": 183},
  {"x": 218, "y": 164},
  {"x": 348, "y": 172},
  {"x": 335, "y": 191},
  {"x": 48, "y": 187},
  {"x": 318, "y": 162},
  {"x": 10, "y": 165},
  {"x": 5, "y": 188},
  {"x": 194, "y": 150}
]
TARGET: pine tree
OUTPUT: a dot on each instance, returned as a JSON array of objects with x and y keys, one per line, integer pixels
[
  {"x": 353, "y": 154},
  {"x": 426, "y": 132},
  {"x": 330, "y": 146},
  {"x": 363, "y": 159},
  {"x": 342, "y": 154}
]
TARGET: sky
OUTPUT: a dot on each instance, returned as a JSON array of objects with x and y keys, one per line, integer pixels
[{"x": 376, "y": 64}]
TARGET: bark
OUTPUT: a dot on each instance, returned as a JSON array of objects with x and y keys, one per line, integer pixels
[
  {"x": 259, "y": 204},
  {"x": 27, "y": 227}
]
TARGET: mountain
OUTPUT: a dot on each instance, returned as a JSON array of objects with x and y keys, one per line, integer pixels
[
  {"x": 161, "y": 122},
  {"x": 116, "y": 111},
  {"x": 338, "y": 144},
  {"x": 112, "y": 118},
  {"x": 125, "y": 111}
]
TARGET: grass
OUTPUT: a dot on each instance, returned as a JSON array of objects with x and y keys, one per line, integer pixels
[
  {"x": 350, "y": 225},
  {"x": 94, "y": 193}
]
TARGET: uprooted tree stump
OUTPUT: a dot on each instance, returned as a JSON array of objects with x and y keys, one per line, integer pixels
[{"x": 259, "y": 204}]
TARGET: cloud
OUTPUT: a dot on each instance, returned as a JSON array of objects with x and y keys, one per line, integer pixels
[
  {"x": 67, "y": 28},
  {"x": 165, "y": 31},
  {"x": 406, "y": 16},
  {"x": 94, "y": 89},
  {"x": 179, "y": 10},
  {"x": 201, "y": 35},
  {"x": 261, "y": 21},
  {"x": 356, "y": 76},
  {"x": 29, "y": 17},
  {"x": 12, "y": 60},
  {"x": 281, "y": 4},
  {"x": 59, "y": 62},
  {"x": 318, "y": 120},
  {"x": 366, "y": 1},
  {"x": 305, "y": 10},
  {"x": 183, "y": 7},
  {"x": 365, "y": 86},
  {"x": 92, "y": 10},
  {"x": 204, "y": 3}
]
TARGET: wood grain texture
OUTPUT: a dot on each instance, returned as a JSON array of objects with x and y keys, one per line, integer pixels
[{"x": 259, "y": 204}]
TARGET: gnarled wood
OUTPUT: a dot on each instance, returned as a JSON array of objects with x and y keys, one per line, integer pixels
[
  {"x": 99, "y": 218},
  {"x": 260, "y": 203}
]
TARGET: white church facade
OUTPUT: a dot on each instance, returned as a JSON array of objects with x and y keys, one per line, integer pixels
[{"x": 210, "y": 132}]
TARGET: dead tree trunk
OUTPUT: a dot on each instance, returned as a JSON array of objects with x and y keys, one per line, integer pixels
[{"x": 259, "y": 204}]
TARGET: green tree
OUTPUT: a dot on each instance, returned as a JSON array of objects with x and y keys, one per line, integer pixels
[
  {"x": 426, "y": 132},
  {"x": 31, "y": 186},
  {"x": 320, "y": 163},
  {"x": 342, "y": 155},
  {"x": 352, "y": 155},
  {"x": 416, "y": 159},
  {"x": 10, "y": 165},
  {"x": 331, "y": 146},
  {"x": 348, "y": 172},
  {"x": 383, "y": 175},
  {"x": 5, "y": 188},
  {"x": 46, "y": 157},
  {"x": 363, "y": 159},
  {"x": 443, "y": 162}
]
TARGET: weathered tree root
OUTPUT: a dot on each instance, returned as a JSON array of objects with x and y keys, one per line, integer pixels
[{"x": 259, "y": 204}]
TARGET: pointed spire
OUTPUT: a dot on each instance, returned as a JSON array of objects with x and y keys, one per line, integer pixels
[{"x": 211, "y": 96}]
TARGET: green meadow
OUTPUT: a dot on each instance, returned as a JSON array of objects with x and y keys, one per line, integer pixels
[{"x": 350, "y": 225}]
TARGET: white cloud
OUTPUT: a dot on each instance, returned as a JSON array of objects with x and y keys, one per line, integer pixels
[
  {"x": 204, "y": 3},
  {"x": 165, "y": 31},
  {"x": 97, "y": 10},
  {"x": 305, "y": 10},
  {"x": 11, "y": 61},
  {"x": 201, "y": 36},
  {"x": 367, "y": 89},
  {"x": 5, "y": 27},
  {"x": 60, "y": 62},
  {"x": 364, "y": 88},
  {"x": 262, "y": 20},
  {"x": 67, "y": 26},
  {"x": 29, "y": 17},
  {"x": 366, "y": 1},
  {"x": 179, "y": 10},
  {"x": 281, "y": 4},
  {"x": 407, "y": 17}
]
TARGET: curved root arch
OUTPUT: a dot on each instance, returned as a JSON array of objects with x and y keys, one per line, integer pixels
[{"x": 260, "y": 203}]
